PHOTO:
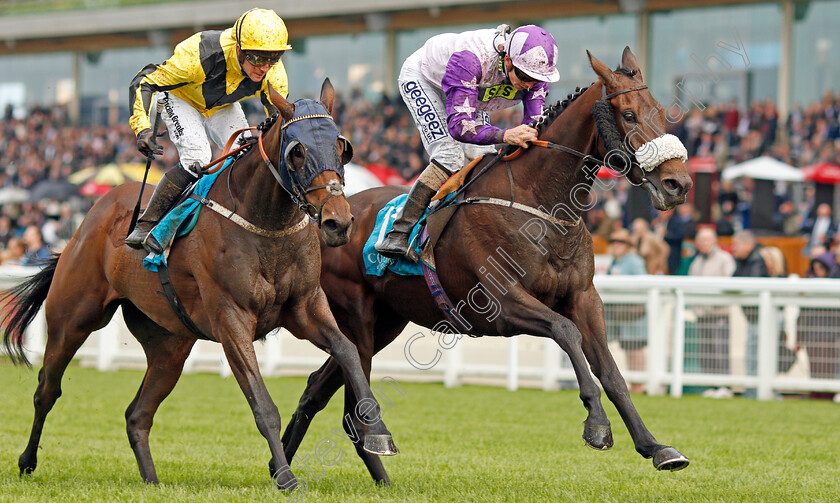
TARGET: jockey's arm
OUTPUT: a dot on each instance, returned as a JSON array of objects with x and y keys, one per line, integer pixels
[
  {"x": 184, "y": 67},
  {"x": 459, "y": 83}
]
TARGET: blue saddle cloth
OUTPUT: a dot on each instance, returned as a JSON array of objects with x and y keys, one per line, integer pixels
[
  {"x": 376, "y": 264},
  {"x": 165, "y": 231}
]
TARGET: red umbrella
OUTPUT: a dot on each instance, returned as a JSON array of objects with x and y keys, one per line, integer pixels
[
  {"x": 93, "y": 189},
  {"x": 823, "y": 172},
  {"x": 605, "y": 173}
]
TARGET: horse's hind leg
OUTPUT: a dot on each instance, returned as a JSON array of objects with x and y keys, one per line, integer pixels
[
  {"x": 165, "y": 356},
  {"x": 320, "y": 388},
  {"x": 588, "y": 314},
  {"x": 66, "y": 333},
  {"x": 312, "y": 319}
]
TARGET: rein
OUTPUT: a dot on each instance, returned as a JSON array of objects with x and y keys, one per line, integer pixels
[{"x": 605, "y": 98}]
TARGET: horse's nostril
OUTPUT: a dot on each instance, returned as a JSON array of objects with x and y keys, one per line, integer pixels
[
  {"x": 330, "y": 225},
  {"x": 673, "y": 187}
]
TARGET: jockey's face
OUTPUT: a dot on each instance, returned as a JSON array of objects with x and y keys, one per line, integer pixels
[
  {"x": 519, "y": 84},
  {"x": 254, "y": 72}
]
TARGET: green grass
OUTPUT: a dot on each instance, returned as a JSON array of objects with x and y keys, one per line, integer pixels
[{"x": 464, "y": 444}]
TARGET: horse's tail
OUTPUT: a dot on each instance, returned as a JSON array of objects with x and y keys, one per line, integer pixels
[{"x": 22, "y": 304}]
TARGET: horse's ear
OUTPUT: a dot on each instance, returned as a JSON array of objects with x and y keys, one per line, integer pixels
[
  {"x": 628, "y": 60},
  {"x": 327, "y": 94},
  {"x": 602, "y": 70},
  {"x": 286, "y": 109}
]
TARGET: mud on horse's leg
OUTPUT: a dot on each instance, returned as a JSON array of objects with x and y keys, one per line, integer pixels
[{"x": 588, "y": 315}]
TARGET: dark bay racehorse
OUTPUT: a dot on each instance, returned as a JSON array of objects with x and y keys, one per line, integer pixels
[
  {"x": 546, "y": 287},
  {"x": 236, "y": 283}
]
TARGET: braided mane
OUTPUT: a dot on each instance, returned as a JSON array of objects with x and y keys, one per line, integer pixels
[{"x": 556, "y": 109}]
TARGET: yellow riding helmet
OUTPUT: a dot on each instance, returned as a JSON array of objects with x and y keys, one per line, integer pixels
[{"x": 261, "y": 30}]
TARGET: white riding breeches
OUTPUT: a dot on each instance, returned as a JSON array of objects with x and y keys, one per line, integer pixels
[
  {"x": 427, "y": 104},
  {"x": 191, "y": 132}
]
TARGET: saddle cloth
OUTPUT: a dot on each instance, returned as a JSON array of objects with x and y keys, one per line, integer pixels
[
  {"x": 180, "y": 220},
  {"x": 376, "y": 264}
]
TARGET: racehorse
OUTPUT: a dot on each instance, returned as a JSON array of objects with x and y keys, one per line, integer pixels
[
  {"x": 237, "y": 282},
  {"x": 544, "y": 285}
]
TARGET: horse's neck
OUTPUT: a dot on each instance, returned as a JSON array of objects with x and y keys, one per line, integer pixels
[
  {"x": 259, "y": 197},
  {"x": 554, "y": 179}
]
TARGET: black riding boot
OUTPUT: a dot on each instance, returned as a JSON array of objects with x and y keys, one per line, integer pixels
[
  {"x": 170, "y": 187},
  {"x": 395, "y": 244}
]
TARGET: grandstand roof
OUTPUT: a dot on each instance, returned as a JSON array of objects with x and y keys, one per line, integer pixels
[{"x": 56, "y": 25}]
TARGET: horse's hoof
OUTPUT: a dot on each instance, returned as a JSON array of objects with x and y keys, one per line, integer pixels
[
  {"x": 382, "y": 445},
  {"x": 26, "y": 466},
  {"x": 669, "y": 458},
  {"x": 284, "y": 479},
  {"x": 598, "y": 436}
]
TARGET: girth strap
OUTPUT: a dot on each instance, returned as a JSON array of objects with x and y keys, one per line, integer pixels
[
  {"x": 520, "y": 207},
  {"x": 175, "y": 302}
]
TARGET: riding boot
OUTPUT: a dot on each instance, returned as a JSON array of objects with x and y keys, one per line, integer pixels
[
  {"x": 170, "y": 187},
  {"x": 395, "y": 245}
]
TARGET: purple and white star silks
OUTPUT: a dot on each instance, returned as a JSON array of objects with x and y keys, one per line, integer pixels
[
  {"x": 466, "y": 108},
  {"x": 540, "y": 93},
  {"x": 468, "y": 127},
  {"x": 473, "y": 84}
]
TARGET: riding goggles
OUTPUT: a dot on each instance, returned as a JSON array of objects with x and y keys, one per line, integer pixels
[
  {"x": 523, "y": 76},
  {"x": 263, "y": 59}
]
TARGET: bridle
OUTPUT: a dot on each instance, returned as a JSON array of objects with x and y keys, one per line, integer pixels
[
  {"x": 606, "y": 99},
  {"x": 291, "y": 183}
]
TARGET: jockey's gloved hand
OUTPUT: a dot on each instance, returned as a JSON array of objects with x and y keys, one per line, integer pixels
[
  {"x": 520, "y": 135},
  {"x": 146, "y": 143}
]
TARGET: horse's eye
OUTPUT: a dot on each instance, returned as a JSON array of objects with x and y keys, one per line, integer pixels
[
  {"x": 297, "y": 151},
  {"x": 629, "y": 116}
]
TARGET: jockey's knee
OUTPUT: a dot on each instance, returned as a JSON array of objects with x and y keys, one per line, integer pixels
[{"x": 450, "y": 156}]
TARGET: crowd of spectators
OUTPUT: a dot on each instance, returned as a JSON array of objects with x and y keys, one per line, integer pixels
[{"x": 44, "y": 146}]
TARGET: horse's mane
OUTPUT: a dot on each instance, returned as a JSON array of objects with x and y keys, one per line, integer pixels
[
  {"x": 556, "y": 109},
  {"x": 268, "y": 122}
]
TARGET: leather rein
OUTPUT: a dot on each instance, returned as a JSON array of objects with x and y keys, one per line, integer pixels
[{"x": 516, "y": 153}]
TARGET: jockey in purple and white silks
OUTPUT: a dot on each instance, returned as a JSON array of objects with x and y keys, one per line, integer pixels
[{"x": 449, "y": 85}]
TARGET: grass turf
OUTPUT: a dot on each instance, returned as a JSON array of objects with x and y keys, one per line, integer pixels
[{"x": 465, "y": 444}]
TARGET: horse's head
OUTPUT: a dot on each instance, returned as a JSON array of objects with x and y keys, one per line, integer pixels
[
  {"x": 640, "y": 147},
  {"x": 312, "y": 158}
]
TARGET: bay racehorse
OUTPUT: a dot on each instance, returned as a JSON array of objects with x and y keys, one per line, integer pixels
[
  {"x": 544, "y": 285},
  {"x": 237, "y": 282}
]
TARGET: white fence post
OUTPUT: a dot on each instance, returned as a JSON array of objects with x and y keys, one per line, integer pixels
[
  {"x": 513, "y": 364},
  {"x": 767, "y": 353},
  {"x": 109, "y": 342},
  {"x": 35, "y": 341},
  {"x": 657, "y": 353},
  {"x": 273, "y": 353},
  {"x": 454, "y": 361},
  {"x": 551, "y": 364},
  {"x": 678, "y": 349}
]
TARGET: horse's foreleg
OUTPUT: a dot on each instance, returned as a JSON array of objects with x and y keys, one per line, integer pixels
[
  {"x": 321, "y": 386},
  {"x": 531, "y": 317},
  {"x": 588, "y": 314},
  {"x": 165, "y": 356},
  {"x": 312, "y": 319},
  {"x": 235, "y": 332}
]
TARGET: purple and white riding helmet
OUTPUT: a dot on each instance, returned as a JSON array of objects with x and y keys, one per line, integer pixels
[{"x": 534, "y": 52}]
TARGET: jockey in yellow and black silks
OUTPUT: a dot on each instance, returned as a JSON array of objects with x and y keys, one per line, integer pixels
[{"x": 203, "y": 81}]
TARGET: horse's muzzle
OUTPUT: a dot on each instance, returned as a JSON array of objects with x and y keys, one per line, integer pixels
[{"x": 336, "y": 232}]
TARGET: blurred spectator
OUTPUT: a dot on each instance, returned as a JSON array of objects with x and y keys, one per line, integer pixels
[
  {"x": 712, "y": 321},
  {"x": 786, "y": 220},
  {"x": 818, "y": 329},
  {"x": 775, "y": 261},
  {"x": 821, "y": 228},
  {"x": 14, "y": 252},
  {"x": 628, "y": 322},
  {"x": 36, "y": 250},
  {"x": 599, "y": 223},
  {"x": 650, "y": 247},
  {"x": 749, "y": 263}
]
